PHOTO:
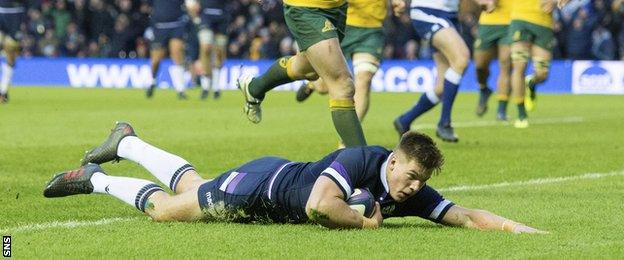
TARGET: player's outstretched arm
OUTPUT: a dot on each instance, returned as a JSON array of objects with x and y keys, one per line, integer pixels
[
  {"x": 484, "y": 220},
  {"x": 326, "y": 206}
]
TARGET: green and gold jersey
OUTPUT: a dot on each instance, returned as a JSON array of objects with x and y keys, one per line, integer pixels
[
  {"x": 500, "y": 16},
  {"x": 531, "y": 11},
  {"x": 366, "y": 13},
  {"x": 316, "y": 3}
]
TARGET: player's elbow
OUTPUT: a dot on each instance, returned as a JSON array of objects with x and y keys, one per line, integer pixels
[{"x": 317, "y": 211}]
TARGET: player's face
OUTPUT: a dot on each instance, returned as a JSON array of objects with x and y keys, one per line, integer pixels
[{"x": 405, "y": 177}]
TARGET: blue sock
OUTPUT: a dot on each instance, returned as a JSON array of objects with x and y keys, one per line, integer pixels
[
  {"x": 423, "y": 105},
  {"x": 451, "y": 84}
]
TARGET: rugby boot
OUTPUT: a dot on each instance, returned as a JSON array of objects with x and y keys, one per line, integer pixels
[
  {"x": 72, "y": 182},
  {"x": 521, "y": 123},
  {"x": 531, "y": 96},
  {"x": 4, "y": 98},
  {"x": 447, "y": 134},
  {"x": 484, "y": 95},
  {"x": 204, "y": 94},
  {"x": 217, "y": 94},
  {"x": 501, "y": 117},
  {"x": 182, "y": 96},
  {"x": 304, "y": 92},
  {"x": 149, "y": 92},
  {"x": 107, "y": 151},
  {"x": 252, "y": 105},
  {"x": 400, "y": 128}
]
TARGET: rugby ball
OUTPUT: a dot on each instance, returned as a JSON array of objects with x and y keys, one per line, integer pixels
[{"x": 363, "y": 202}]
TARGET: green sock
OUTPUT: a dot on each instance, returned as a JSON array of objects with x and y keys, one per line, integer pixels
[
  {"x": 522, "y": 114},
  {"x": 348, "y": 127},
  {"x": 276, "y": 75}
]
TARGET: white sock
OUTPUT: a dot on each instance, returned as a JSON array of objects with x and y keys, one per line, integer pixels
[
  {"x": 132, "y": 191},
  {"x": 205, "y": 82},
  {"x": 7, "y": 74},
  {"x": 177, "y": 77},
  {"x": 452, "y": 76},
  {"x": 216, "y": 74},
  {"x": 168, "y": 168}
]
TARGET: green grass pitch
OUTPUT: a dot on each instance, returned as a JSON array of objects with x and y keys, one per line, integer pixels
[{"x": 46, "y": 130}]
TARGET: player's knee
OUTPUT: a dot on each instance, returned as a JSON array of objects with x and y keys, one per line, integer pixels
[
  {"x": 343, "y": 88},
  {"x": 460, "y": 63}
]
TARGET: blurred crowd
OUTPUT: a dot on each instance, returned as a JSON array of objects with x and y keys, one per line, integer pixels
[{"x": 585, "y": 29}]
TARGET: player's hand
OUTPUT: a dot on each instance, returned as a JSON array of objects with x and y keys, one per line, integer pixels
[
  {"x": 562, "y": 3},
  {"x": 521, "y": 228},
  {"x": 398, "y": 7},
  {"x": 374, "y": 221}
]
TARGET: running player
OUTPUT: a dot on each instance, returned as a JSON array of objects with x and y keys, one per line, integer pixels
[
  {"x": 493, "y": 41},
  {"x": 213, "y": 21},
  {"x": 436, "y": 21},
  {"x": 318, "y": 27},
  {"x": 532, "y": 36},
  {"x": 363, "y": 44},
  {"x": 168, "y": 24},
  {"x": 12, "y": 15},
  {"x": 274, "y": 190}
]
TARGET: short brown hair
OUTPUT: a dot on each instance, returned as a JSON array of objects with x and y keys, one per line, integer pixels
[{"x": 420, "y": 147}]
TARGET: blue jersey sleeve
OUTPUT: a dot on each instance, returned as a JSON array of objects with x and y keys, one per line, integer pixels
[
  {"x": 347, "y": 170},
  {"x": 427, "y": 204}
]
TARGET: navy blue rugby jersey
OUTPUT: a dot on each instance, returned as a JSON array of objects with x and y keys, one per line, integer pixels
[
  {"x": 166, "y": 10},
  {"x": 351, "y": 168}
]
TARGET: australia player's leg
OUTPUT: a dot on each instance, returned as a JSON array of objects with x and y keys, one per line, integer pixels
[
  {"x": 503, "y": 83},
  {"x": 541, "y": 54},
  {"x": 484, "y": 52},
  {"x": 523, "y": 35},
  {"x": 317, "y": 32}
]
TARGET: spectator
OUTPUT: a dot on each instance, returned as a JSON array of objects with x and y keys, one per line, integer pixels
[{"x": 603, "y": 45}]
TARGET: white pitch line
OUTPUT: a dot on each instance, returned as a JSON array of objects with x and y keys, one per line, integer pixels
[
  {"x": 65, "y": 224},
  {"x": 535, "y": 121},
  {"x": 540, "y": 181}
]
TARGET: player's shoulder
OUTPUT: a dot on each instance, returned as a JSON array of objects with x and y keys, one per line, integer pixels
[{"x": 366, "y": 151}]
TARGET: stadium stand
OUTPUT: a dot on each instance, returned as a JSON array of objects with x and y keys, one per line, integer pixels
[{"x": 115, "y": 28}]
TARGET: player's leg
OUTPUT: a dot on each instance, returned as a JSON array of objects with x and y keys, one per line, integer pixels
[
  {"x": 519, "y": 61},
  {"x": 427, "y": 100},
  {"x": 484, "y": 52},
  {"x": 365, "y": 65},
  {"x": 541, "y": 54},
  {"x": 176, "y": 70},
  {"x": 206, "y": 45},
  {"x": 220, "y": 56},
  {"x": 328, "y": 61},
  {"x": 482, "y": 59},
  {"x": 453, "y": 47},
  {"x": 170, "y": 169},
  {"x": 145, "y": 195},
  {"x": 11, "y": 27},
  {"x": 503, "y": 83},
  {"x": 11, "y": 48},
  {"x": 157, "y": 54}
]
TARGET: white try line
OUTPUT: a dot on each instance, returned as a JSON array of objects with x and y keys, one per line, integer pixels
[
  {"x": 533, "y": 121},
  {"x": 533, "y": 182},
  {"x": 65, "y": 224},
  {"x": 106, "y": 221}
]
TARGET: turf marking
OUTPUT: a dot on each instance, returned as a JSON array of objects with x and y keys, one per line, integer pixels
[
  {"x": 540, "y": 181},
  {"x": 535, "y": 121},
  {"x": 65, "y": 224}
]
